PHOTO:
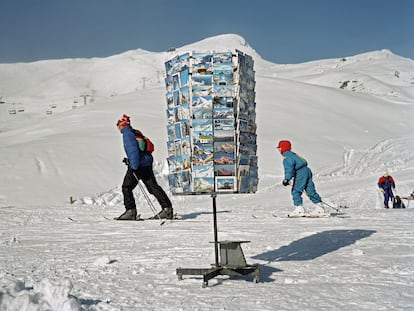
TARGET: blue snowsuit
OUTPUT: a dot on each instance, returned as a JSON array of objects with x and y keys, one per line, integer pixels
[{"x": 297, "y": 168}]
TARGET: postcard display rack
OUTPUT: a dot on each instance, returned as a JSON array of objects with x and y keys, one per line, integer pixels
[{"x": 212, "y": 139}]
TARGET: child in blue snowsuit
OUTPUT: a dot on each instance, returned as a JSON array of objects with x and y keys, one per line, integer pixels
[{"x": 296, "y": 168}]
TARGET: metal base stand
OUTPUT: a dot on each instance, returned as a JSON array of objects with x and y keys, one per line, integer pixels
[{"x": 232, "y": 261}]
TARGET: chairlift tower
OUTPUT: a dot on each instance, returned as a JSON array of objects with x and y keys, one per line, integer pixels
[{"x": 84, "y": 98}]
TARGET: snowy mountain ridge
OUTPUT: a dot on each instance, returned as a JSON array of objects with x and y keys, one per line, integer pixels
[
  {"x": 379, "y": 73},
  {"x": 67, "y": 83}
]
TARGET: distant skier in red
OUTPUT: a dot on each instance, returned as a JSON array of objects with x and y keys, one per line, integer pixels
[{"x": 386, "y": 184}]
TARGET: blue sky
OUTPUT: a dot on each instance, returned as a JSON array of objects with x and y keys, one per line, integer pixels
[{"x": 281, "y": 31}]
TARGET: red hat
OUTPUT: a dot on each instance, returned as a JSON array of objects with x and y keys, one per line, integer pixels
[
  {"x": 124, "y": 121},
  {"x": 284, "y": 145}
]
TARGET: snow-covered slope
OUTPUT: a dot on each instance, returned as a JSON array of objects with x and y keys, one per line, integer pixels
[
  {"x": 379, "y": 73},
  {"x": 60, "y": 256},
  {"x": 324, "y": 121}
]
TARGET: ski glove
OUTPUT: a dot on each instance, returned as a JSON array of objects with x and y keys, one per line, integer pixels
[
  {"x": 125, "y": 161},
  {"x": 285, "y": 182}
]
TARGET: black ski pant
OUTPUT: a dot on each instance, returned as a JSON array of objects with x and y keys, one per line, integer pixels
[{"x": 146, "y": 174}]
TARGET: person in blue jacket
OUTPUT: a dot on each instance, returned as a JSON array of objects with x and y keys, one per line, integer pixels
[
  {"x": 296, "y": 169},
  {"x": 139, "y": 168},
  {"x": 386, "y": 184}
]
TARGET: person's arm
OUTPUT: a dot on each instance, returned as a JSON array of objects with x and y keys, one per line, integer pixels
[
  {"x": 289, "y": 167},
  {"x": 131, "y": 148},
  {"x": 392, "y": 182}
]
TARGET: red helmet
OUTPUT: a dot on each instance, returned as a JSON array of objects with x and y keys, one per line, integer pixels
[
  {"x": 284, "y": 145},
  {"x": 123, "y": 121}
]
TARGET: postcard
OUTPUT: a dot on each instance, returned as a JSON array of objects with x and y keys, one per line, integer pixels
[
  {"x": 202, "y": 102},
  {"x": 170, "y": 99},
  {"x": 184, "y": 77},
  {"x": 225, "y": 170},
  {"x": 222, "y": 135},
  {"x": 176, "y": 97},
  {"x": 223, "y": 113},
  {"x": 202, "y": 138},
  {"x": 225, "y": 147},
  {"x": 222, "y": 102},
  {"x": 180, "y": 182},
  {"x": 171, "y": 132},
  {"x": 201, "y": 82},
  {"x": 202, "y": 125},
  {"x": 171, "y": 148},
  {"x": 176, "y": 81},
  {"x": 225, "y": 184},
  {"x": 223, "y": 90},
  {"x": 204, "y": 170},
  {"x": 183, "y": 112},
  {"x": 171, "y": 115},
  {"x": 185, "y": 95},
  {"x": 198, "y": 58},
  {"x": 185, "y": 145},
  {"x": 223, "y": 60},
  {"x": 203, "y": 184},
  {"x": 169, "y": 83},
  {"x": 202, "y": 159},
  {"x": 223, "y": 158},
  {"x": 202, "y": 113},
  {"x": 202, "y": 68},
  {"x": 178, "y": 132}
]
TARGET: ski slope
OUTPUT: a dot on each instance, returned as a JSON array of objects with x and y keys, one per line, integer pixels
[{"x": 61, "y": 256}]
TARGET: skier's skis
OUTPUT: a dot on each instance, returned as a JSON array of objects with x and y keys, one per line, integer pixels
[
  {"x": 139, "y": 218},
  {"x": 309, "y": 215},
  {"x": 175, "y": 217},
  {"x": 336, "y": 208}
]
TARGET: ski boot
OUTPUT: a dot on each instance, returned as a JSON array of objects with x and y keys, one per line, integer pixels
[
  {"x": 320, "y": 210},
  {"x": 165, "y": 213},
  {"x": 298, "y": 212},
  {"x": 129, "y": 214}
]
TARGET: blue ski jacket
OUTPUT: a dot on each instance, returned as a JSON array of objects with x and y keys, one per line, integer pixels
[
  {"x": 136, "y": 158},
  {"x": 293, "y": 163}
]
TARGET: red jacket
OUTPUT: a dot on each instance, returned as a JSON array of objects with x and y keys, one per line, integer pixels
[{"x": 386, "y": 182}]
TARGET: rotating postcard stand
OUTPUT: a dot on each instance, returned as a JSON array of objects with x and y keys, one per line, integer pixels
[{"x": 212, "y": 140}]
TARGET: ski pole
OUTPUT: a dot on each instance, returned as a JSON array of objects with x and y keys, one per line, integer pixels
[
  {"x": 304, "y": 191},
  {"x": 154, "y": 211},
  {"x": 333, "y": 207},
  {"x": 147, "y": 198},
  {"x": 145, "y": 194}
]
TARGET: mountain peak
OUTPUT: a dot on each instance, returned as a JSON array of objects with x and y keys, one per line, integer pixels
[{"x": 221, "y": 42}]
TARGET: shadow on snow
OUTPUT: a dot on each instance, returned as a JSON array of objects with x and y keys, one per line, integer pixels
[
  {"x": 196, "y": 214},
  {"x": 315, "y": 245}
]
